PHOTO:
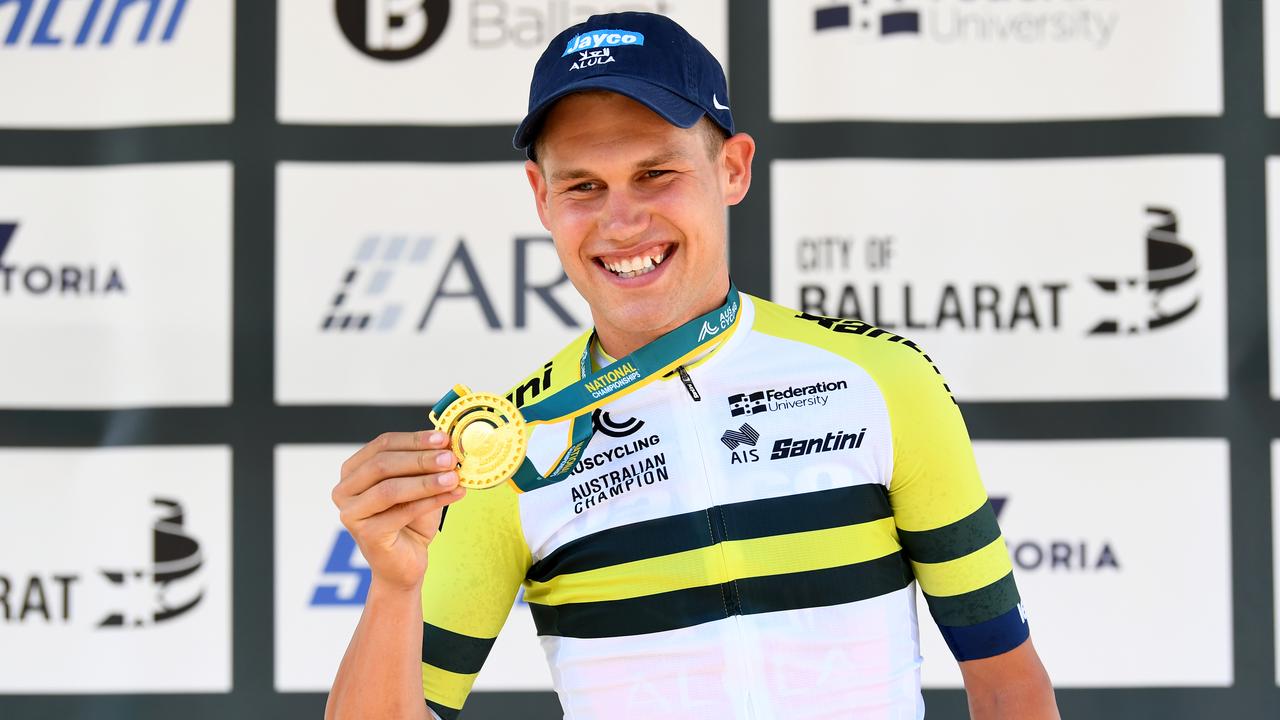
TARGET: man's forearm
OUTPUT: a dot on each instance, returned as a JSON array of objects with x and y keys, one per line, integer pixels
[
  {"x": 1032, "y": 701},
  {"x": 381, "y": 672}
]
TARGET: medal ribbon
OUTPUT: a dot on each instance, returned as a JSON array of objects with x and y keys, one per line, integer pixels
[{"x": 627, "y": 374}]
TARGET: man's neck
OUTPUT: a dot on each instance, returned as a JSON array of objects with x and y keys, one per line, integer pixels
[{"x": 617, "y": 342}]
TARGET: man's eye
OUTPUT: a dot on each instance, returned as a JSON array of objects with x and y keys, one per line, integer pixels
[
  {"x": 583, "y": 187},
  {"x": 655, "y": 173}
]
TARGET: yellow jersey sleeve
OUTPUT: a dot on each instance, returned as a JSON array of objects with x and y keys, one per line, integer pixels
[{"x": 474, "y": 568}]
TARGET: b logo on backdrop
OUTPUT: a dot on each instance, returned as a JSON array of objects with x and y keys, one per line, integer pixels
[
  {"x": 1146, "y": 301},
  {"x": 392, "y": 29}
]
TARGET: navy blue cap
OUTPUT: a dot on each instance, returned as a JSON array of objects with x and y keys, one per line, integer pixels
[{"x": 647, "y": 57}]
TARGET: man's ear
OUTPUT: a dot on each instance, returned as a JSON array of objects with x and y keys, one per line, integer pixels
[
  {"x": 736, "y": 158},
  {"x": 538, "y": 183}
]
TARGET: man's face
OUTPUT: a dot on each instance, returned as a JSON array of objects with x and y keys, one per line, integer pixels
[{"x": 636, "y": 206}]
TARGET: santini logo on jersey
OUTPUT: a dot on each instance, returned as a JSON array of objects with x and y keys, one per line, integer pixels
[
  {"x": 602, "y": 38},
  {"x": 791, "y": 447}
]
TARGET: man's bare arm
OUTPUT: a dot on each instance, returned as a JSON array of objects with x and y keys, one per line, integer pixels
[
  {"x": 390, "y": 499},
  {"x": 1010, "y": 686}
]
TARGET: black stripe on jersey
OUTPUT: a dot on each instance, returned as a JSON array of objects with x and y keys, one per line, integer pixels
[
  {"x": 749, "y": 596},
  {"x": 803, "y": 512},
  {"x": 974, "y": 607},
  {"x": 974, "y": 532},
  {"x": 453, "y": 651},
  {"x": 444, "y": 711}
]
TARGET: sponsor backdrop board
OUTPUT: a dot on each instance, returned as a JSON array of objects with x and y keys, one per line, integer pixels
[
  {"x": 382, "y": 301},
  {"x": 115, "y": 286},
  {"x": 437, "y": 62},
  {"x": 112, "y": 63},
  {"x": 322, "y": 581},
  {"x": 993, "y": 59},
  {"x": 1019, "y": 294},
  {"x": 1107, "y": 146},
  {"x": 140, "y": 600},
  {"x": 1067, "y": 510}
]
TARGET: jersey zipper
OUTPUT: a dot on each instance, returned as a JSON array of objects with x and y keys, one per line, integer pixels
[{"x": 688, "y": 384}]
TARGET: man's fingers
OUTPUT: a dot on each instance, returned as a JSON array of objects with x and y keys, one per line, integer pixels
[
  {"x": 395, "y": 491},
  {"x": 392, "y": 464},
  {"x": 405, "y": 514},
  {"x": 395, "y": 441}
]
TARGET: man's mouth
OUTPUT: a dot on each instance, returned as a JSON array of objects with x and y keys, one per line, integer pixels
[{"x": 638, "y": 264}]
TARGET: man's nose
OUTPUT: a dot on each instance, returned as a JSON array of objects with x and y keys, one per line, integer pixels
[{"x": 623, "y": 215}]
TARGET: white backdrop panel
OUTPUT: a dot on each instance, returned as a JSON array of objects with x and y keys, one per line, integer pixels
[
  {"x": 312, "y": 630},
  {"x": 81, "y": 64},
  {"x": 116, "y": 286},
  {"x": 441, "y": 274},
  {"x": 993, "y": 59},
  {"x": 113, "y": 549},
  {"x": 1025, "y": 280},
  {"x": 1122, "y": 553},
  {"x": 476, "y": 72}
]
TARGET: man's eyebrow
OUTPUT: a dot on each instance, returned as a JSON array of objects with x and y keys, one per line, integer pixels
[{"x": 660, "y": 158}]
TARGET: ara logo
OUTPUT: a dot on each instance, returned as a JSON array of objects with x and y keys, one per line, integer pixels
[
  {"x": 171, "y": 579},
  {"x": 868, "y": 20},
  {"x": 603, "y": 422},
  {"x": 1169, "y": 298},
  {"x": 373, "y": 295},
  {"x": 85, "y": 24},
  {"x": 346, "y": 575},
  {"x": 1058, "y": 554},
  {"x": 745, "y": 435},
  {"x": 392, "y": 29},
  {"x": 597, "y": 39},
  {"x": 45, "y": 279}
]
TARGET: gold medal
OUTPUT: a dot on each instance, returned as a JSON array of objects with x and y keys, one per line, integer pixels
[{"x": 487, "y": 434}]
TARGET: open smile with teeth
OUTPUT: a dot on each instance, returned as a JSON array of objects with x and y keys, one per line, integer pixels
[{"x": 636, "y": 265}]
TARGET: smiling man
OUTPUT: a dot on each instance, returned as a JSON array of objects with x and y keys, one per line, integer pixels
[{"x": 736, "y": 511}]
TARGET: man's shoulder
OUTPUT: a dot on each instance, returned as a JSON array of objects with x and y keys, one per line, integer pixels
[
  {"x": 888, "y": 357},
  {"x": 553, "y": 374}
]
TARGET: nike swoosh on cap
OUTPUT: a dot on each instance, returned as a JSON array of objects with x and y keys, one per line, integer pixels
[{"x": 715, "y": 102}]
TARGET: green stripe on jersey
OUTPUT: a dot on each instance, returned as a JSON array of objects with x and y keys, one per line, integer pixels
[
  {"x": 820, "y": 510},
  {"x": 974, "y": 607},
  {"x": 453, "y": 651},
  {"x": 966, "y": 535},
  {"x": 748, "y": 596}
]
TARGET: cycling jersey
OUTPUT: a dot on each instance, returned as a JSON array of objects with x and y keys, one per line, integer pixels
[{"x": 739, "y": 540}]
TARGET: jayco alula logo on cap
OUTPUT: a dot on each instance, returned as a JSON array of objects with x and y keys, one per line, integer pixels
[{"x": 602, "y": 38}]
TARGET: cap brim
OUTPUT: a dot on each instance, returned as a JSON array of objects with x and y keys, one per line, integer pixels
[{"x": 670, "y": 106}]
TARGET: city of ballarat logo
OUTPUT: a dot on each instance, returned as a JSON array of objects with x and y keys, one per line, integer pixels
[
  {"x": 392, "y": 29},
  {"x": 1133, "y": 302},
  {"x": 1058, "y": 554},
  {"x": 391, "y": 273},
  {"x": 759, "y": 401},
  {"x": 41, "y": 278},
  {"x": 93, "y": 24},
  {"x": 745, "y": 435},
  {"x": 162, "y": 591},
  {"x": 1171, "y": 264},
  {"x": 971, "y": 22}
]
